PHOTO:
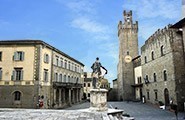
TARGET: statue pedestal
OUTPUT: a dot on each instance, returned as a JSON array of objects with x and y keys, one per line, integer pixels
[{"x": 98, "y": 100}]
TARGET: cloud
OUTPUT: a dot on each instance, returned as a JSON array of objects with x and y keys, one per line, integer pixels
[
  {"x": 88, "y": 25},
  {"x": 153, "y": 15},
  {"x": 82, "y": 6},
  {"x": 167, "y": 9}
]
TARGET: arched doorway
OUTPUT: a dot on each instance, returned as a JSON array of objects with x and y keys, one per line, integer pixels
[{"x": 166, "y": 97}]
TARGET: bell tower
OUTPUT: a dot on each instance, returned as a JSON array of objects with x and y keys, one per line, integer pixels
[{"x": 128, "y": 49}]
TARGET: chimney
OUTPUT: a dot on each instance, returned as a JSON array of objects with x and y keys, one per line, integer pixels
[{"x": 183, "y": 9}]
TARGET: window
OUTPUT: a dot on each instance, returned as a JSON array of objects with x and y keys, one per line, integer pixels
[
  {"x": 72, "y": 80},
  {"x": 61, "y": 62},
  {"x": 60, "y": 77},
  {"x": 57, "y": 61},
  {"x": 152, "y": 54},
  {"x": 84, "y": 84},
  {"x": 17, "y": 96},
  {"x": 155, "y": 79},
  {"x": 148, "y": 95},
  {"x": 65, "y": 64},
  {"x": 56, "y": 77},
  {"x": 0, "y": 56},
  {"x": 127, "y": 52},
  {"x": 88, "y": 94},
  {"x": 138, "y": 80},
  {"x": 64, "y": 78},
  {"x": 69, "y": 79},
  {"x": 18, "y": 56},
  {"x": 75, "y": 68},
  {"x": 146, "y": 79},
  {"x": 162, "y": 50},
  {"x": 165, "y": 75},
  {"x": 0, "y": 73},
  {"x": 45, "y": 75},
  {"x": 72, "y": 67},
  {"x": 77, "y": 80},
  {"x": 89, "y": 84},
  {"x": 145, "y": 59},
  {"x": 17, "y": 74},
  {"x": 156, "y": 96},
  {"x": 69, "y": 65},
  {"x": 46, "y": 58}
]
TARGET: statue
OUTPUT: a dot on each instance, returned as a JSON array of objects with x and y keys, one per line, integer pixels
[{"x": 98, "y": 73}]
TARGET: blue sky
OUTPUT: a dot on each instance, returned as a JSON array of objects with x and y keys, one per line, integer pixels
[{"x": 84, "y": 29}]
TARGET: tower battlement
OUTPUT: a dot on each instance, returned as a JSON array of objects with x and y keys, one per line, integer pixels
[
  {"x": 158, "y": 33},
  {"x": 128, "y": 22}
]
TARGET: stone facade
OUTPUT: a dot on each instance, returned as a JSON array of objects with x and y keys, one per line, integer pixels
[
  {"x": 87, "y": 85},
  {"x": 163, "y": 67},
  {"x": 128, "y": 49},
  {"x": 138, "y": 84},
  {"x": 32, "y": 72}
]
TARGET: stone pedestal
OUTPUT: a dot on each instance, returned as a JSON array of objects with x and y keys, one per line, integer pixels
[{"x": 98, "y": 100}]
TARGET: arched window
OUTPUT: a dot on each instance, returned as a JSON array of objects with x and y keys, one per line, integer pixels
[
  {"x": 152, "y": 54},
  {"x": 165, "y": 75},
  {"x": 56, "y": 77},
  {"x": 69, "y": 79},
  {"x": 60, "y": 77},
  {"x": 162, "y": 50},
  {"x": 17, "y": 96},
  {"x": 155, "y": 78},
  {"x": 64, "y": 78}
]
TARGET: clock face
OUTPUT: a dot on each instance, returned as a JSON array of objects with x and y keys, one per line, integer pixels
[{"x": 128, "y": 58}]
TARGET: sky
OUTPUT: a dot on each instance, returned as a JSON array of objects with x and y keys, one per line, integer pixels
[{"x": 84, "y": 29}]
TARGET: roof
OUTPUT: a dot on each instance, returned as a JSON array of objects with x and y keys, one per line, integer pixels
[
  {"x": 36, "y": 42},
  {"x": 179, "y": 24}
]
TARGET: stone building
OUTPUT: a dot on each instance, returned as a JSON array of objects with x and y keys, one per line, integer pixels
[
  {"x": 180, "y": 28},
  {"x": 87, "y": 85},
  {"x": 113, "y": 92},
  {"x": 34, "y": 73},
  {"x": 163, "y": 67},
  {"x": 138, "y": 84},
  {"x": 128, "y": 49}
]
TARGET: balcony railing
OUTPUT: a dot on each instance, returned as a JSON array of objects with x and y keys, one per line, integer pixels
[{"x": 67, "y": 84}]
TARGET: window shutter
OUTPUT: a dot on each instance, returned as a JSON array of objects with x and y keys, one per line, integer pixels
[
  {"x": 15, "y": 56},
  {"x": 22, "y": 56},
  {"x": 13, "y": 75},
  {"x": 44, "y": 57},
  {"x": 22, "y": 72},
  {"x": 47, "y": 76},
  {"x": 48, "y": 59}
]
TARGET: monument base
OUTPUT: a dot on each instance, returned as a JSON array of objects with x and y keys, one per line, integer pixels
[{"x": 98, "y": 100}]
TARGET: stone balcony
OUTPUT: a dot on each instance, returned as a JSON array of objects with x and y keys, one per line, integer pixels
[{"x": 67, "y": 84}]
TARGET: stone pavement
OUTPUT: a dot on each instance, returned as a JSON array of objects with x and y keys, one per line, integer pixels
[
  {"x": 139, "y": 110},
  {"x": 45, "y": 114},
  {"x": 80, "y": 112}
]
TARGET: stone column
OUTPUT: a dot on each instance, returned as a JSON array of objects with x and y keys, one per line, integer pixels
[
  {"x": 69, "y": 97},
  {"x": 73, "y": 96},
  {"x": 64, "y": 97},
  {"x": 77, "y": 94},
  {"x": 60, "y": 102},
  {"x": 54, "y": 94},
  {"x": 98, "y": 100}
]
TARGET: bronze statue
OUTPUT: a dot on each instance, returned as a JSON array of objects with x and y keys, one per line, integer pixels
[{"x": 98, "y": 73}]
